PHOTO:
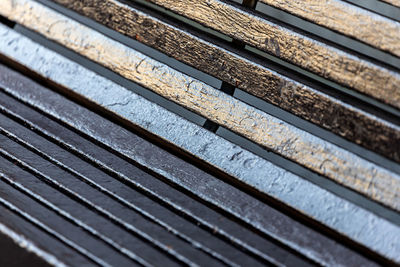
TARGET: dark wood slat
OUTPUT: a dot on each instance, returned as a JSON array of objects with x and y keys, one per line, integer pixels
[
  {"x": 315, "y": 56},
  {"x": 13, "y": 252},
  {"x": 350, "y": 20},
  {"x": 219, "y": 194},
  {"x": 312, "y": 105},
  {"x": 318, "y": 155},
  {"x": 99, "y": 227},
  {"x": 197, "y": 237},
  {"x": 121, "y": 217},
  {"x": 56, "y": 225},
  {"x": 217, "y": 223},
  {"x": 40, "y": 243}
]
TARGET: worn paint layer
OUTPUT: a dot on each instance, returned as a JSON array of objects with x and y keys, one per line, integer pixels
[
  {"x": 315, "y": 56},
  {"x": 370, "y": 230},
  {"x": 312, "y": 105},
  {"x": 348, "y": 19},
  {"x": 299, "y": 146}
]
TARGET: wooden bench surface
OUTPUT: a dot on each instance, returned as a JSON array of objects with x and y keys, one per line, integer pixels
[{"x": 127, "y": 181}]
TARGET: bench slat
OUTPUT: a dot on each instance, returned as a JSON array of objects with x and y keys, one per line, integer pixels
[
  {"x": 245, "y": 166},
  {"x": 258, "y": 80},
  {"x": 204, "y": 186},
  {"x": 350, "y": 20},
  {"x": 299, "y": 146},
  {"x": 315, "y": 56}
]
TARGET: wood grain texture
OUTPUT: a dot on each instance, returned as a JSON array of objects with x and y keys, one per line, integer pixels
[
  {"x": 312, "y": 105},
  {"x": 299, "y": 146},
  {"x": 303, "y": 148},
  {"x": 339, "y": 214},
  {"x": 315, "y": 56},
  {"x": 350, "y": 20}
]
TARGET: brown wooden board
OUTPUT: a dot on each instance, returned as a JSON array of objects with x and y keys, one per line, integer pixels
[
  {"x": 335, "y": 115},
  {"x": 315, "y": 56},
  {"x": 347, "y": 19}
]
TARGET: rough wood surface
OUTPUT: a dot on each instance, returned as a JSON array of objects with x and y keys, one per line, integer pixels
[
  {"x": 299, "y": 146},
  {"x": 338, "y": 214},
  {"x": 317, "y": 57},
  {"x": 350, "y": 20},
  {"x": 312, "y": 105},
  {"x": 319, "y": 204}
]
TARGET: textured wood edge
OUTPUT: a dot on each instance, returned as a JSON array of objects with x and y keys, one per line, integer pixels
[
  {"x": 350, "y": 20},
  {"x": 303, "y": 101},
  {"x": 299, "y": 146},
  {"x": 392, "y": 2},
  {"x": 326, "y": 61},
  {"x": 317, "y": 203}
]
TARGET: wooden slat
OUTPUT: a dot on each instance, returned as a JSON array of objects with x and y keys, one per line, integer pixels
[
  {"x": 314, "y": 153},
  {"x": 315, "y": 56},
  {"x": 56, "y": 225},
  {"x": 98, "y": 214},
  {"x": 132, "y": 199},
  {"x": 141, "y": 181},
  {"x": 16, "y": 230},
  {"x": 303, "y": 101},
  {"x": 350, "y": 20},
  {"x": 214, "y": 191},
  {"x": 247, "y": 168}
]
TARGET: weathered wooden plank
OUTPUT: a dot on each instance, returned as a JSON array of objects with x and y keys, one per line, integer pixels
[
  {"x": 320, "y": 205},
  {"x": 315, "y": 56},
  {"x": 214, "y": 191},
  {"x": 303, "y": 101},
  {"x": 314, "y": 153},
  {"x": 350, "y": 20}
]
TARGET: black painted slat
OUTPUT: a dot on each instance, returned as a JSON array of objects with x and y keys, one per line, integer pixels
[
  {"x": 125, "y": 195},
  {"x": 38, "y": 238},
  {"x": 118, "y": 214},
  {"x": 201, "y": 215},
  {"x": 93, "y": 248},
  {"x": 259, "y": 209}
]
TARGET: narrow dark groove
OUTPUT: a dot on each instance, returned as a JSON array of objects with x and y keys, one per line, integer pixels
[
  {"x": 15, "y": 255},
  {"x": 100, "y": 188},
  {"x": 289, "y": 211},
  {"x": 7, "y": 22},
  {"x": 154, "y": 196},
  {"x": 381, "y": 8},
  {"x": 74, "y": 197},
  {"x": 211, "y": 126},
  {"x": 148, "y": 192},
  {"x": 250, "y": 3},
  {"x": 46, "y": 229}
]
